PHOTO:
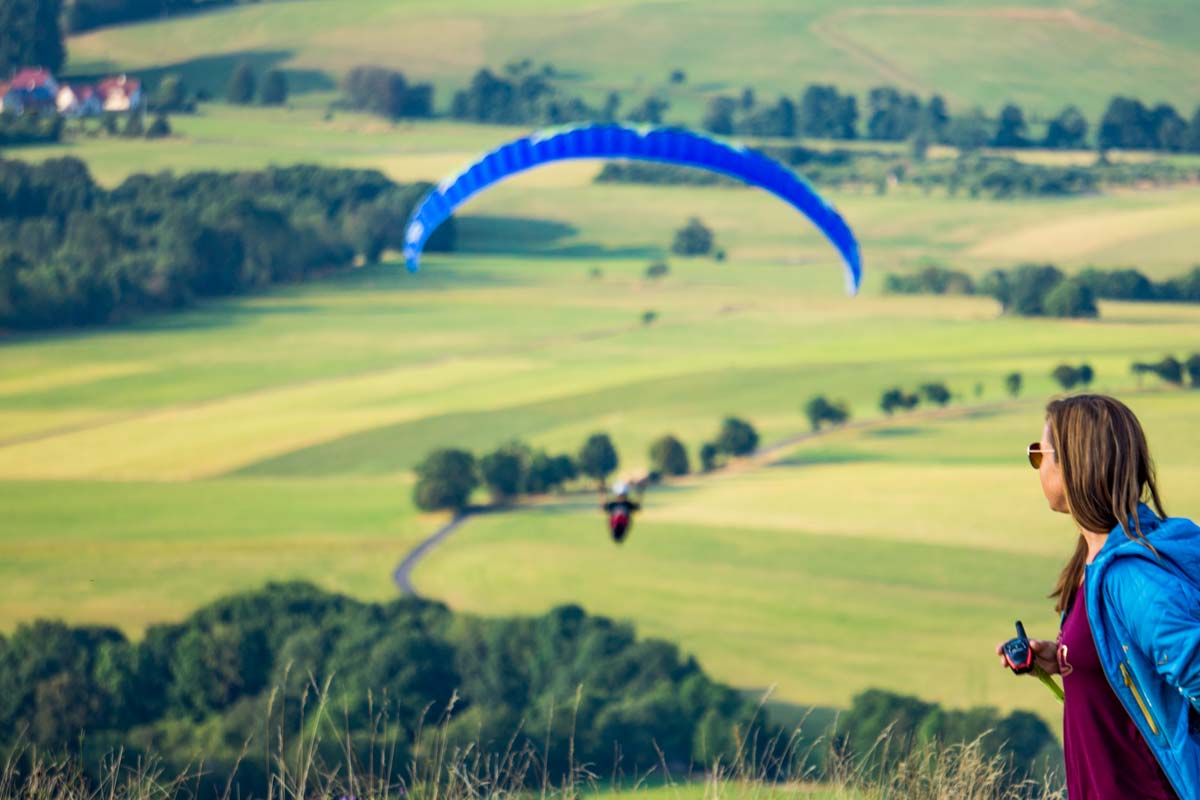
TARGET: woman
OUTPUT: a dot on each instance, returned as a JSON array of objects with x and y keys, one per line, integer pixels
[{"x": 1129, "y": 647}]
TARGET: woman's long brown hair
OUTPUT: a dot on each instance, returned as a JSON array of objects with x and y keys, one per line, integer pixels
[{"x": 1107, "y": 471}]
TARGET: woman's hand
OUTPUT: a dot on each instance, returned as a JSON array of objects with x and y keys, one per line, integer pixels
[{"x": 1045, "y": 654}]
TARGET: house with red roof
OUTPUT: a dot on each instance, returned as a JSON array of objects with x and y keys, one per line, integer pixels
[
  {"x": 120, "y": 93},
  {"x": 31, "y": 89},
  {"x": 35, "y": 90}
]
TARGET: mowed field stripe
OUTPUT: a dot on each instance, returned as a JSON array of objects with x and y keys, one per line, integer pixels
[
  {"x": 204, "y": 439},
  {"x": 1075, "y": 237}
]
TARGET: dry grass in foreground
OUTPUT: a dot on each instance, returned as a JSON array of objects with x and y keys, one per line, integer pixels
[{"x": 318, "y": 759}]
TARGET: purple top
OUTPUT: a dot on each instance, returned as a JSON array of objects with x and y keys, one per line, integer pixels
[{"x": 1106, "y": 756}]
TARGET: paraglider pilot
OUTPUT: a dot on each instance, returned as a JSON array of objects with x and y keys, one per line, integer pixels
[{"x": 620, "y": 510}]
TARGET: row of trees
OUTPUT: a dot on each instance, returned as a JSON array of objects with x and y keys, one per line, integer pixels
[
  {"x": 1044, "y": 290},
  {"x": 823, "y": 111},
  {"x": 73, "y": 253},
  {"x": 528, "y": 95},
  {"x": 570, "y": 685},
  {"x": 1116, "y": 284},
  {"x": 973, "y": 174},
  {"x": 386, "y": 92},
  {"x": 880, "y": 728},
  {"x": 447, "y": 477},
  {"x": 1068, "y": 376},
  {"x": 1171, "y": 370},
  {"x": 243, "y": 87},
  {"x": 247, "y": 669},
  {"x": 897, "y": 399}
]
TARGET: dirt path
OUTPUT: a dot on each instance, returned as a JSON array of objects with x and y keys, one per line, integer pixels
[{"x": 402, "y": 575}]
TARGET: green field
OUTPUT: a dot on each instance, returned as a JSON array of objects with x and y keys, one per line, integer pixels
[
  {"x": 977, "y": 52},
  {"x": 149, "y": 468}
]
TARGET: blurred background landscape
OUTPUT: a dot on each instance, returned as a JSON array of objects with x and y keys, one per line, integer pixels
[{"x": 216, "y": 374}]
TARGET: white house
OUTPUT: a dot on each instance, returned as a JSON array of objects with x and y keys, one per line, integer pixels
[{"x": 82, "y": 101}]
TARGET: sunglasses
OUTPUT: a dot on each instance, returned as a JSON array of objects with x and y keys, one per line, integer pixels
[{"x": 1035, "y": 453}]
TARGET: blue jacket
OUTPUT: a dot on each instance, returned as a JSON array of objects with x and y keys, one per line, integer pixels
[{"x": 1144, "y": 613}]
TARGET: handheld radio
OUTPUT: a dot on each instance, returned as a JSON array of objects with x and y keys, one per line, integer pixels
[{"x": 1018, "y": 656}]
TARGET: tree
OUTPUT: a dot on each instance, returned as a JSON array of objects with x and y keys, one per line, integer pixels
[
  {"x": 1192, "y": 366},
  {"x": 693, "y": 239},
  {"x": 504, "y": 472},
  {"x": 818, "y": 409},
  {"x": 1010, "y": 129},
  {"x": 1120, "y": 284},
  {"x": 718, "y": 116},
  {"x": 1012, "y": 384},
  {"x": 970, "y": 131},
  {"x": 274, "y": 88},
  {"x": 892, "y": 116},
  {"x": 824, "y": 113},
  {"x": 240, "y": 90},
  {"x": 546, "y": 472},
  {"x": 737, "y": 437},
  {"x": 650, "y": 111},
  {"x": 896, "y": 398},
  {"x": 1070, "y": 298},
  {"x": 936, "y": 117},
  {"x": 936, "y": 393},
  {"x": 1025, "y": 290},
  {"x": 657, "y": 270},
  {"x": 1086, "y": 375},
  {"x": 1191, "y": 139},
  {"x": 612, "y": 105},
  {"x": 1168, "y": 130},
  {"x": 649, "y": 316},
  {"x": 30, "y": 35},
  {"x": 382, "y": 91},
  {"x": 159, "y": 128},
  {"x": 1066, "y": 376},
  {"x": 133, "y": 125},
  {"x": 1126, "y": 124},
  {"x": 598, "y": 458},
  {"x": 668, "y": 456},
  {"x": 1067, "y": 131},
  {"x": 171, "y": 94},
  {"x": 678, "y": 76},
  {"x": 1170, "y": 370},
  {"x": 445, "y": 480},
  {"x": 708, "y": 456}
]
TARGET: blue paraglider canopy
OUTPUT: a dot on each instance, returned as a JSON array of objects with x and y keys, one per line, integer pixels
[{"x": 626, "y": 142}]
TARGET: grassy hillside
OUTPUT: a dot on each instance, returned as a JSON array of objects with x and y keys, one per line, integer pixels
[{"x": 977, "y": 52}]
